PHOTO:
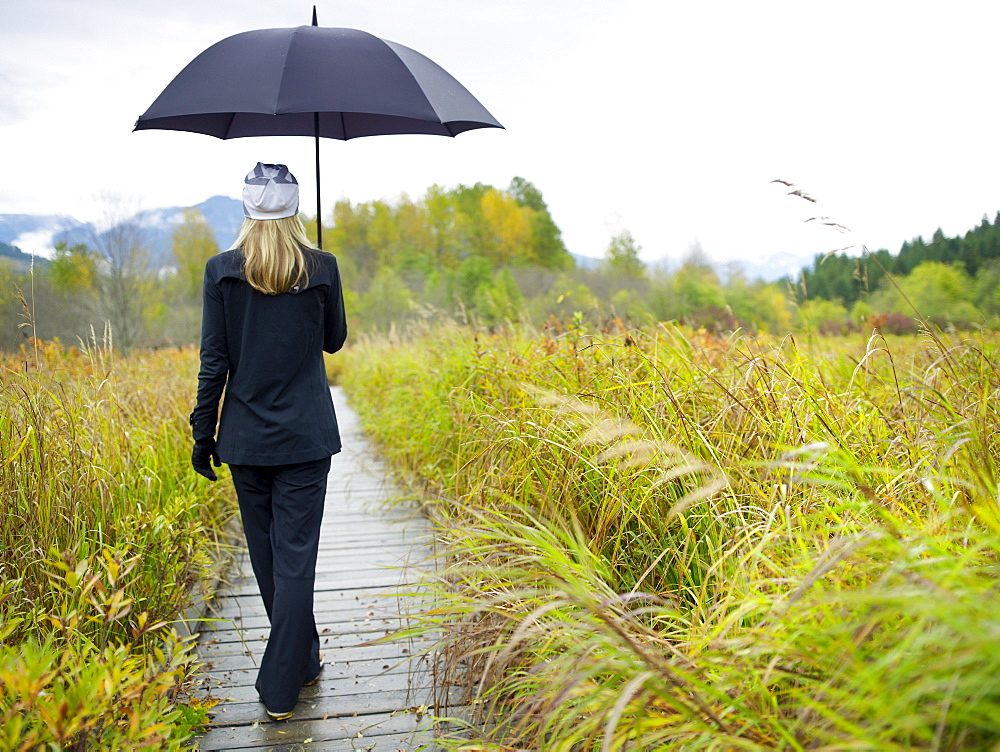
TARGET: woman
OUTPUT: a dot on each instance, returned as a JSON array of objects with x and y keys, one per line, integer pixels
[{"x": 272, "y": 305}]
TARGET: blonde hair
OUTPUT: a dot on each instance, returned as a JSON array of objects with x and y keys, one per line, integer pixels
[{"x": 273, "y": 261}]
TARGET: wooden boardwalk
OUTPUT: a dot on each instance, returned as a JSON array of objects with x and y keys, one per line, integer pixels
[{"x": 369, "y": 697}]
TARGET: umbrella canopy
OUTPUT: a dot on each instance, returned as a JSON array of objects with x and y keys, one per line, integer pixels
[{"x": 314, "y": 81}]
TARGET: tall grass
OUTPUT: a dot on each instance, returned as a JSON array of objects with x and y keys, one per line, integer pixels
[
  {"x": 105, "y": 537},
  {"x": 661, "y": 539}
]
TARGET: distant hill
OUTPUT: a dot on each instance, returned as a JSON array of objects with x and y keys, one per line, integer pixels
[
  {"x": 11, "y": 254},
  {"x": 585, "y": 262},
  {"x": 768, "y": 268},
  {"x": 40, "y": 233},
  {"x": 774, "y": 266},
  {"x": 34, "y": 233},
  {"x": 224, "y": 215}
]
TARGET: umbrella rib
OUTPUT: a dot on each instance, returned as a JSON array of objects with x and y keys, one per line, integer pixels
[
  {"x": 229, "y": 125},
  {"x": 284, "y": 70},
  {"x": 420, "y": 87}
]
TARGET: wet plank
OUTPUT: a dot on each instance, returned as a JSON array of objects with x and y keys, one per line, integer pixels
[
  {"x": 378, "y": 731},
  {"x": 372, "y": 693}
]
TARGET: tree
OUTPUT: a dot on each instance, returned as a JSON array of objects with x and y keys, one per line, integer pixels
[
  {"x": 415, "y": 236},
  {"x": 695, "y": 285},
  {"x": 499, "y": 300},
  {"x": 548, "y": 248},
  {"x": 387, "y": 302},
  {"x": 194, "y": 245},
  {"x": 471, "y": 231},
  {"x": 526, "y": 194},
  {"x": 987, "y": 288},
  {"x": 383, "y": 234},
  {"x": 123, "y": 274},
  {"x": 176, "y": 311},
  {"x": 472, "y": 274},
  {"x": 772, "y": 310},
  {"x": 349, "y": 236},
  {"x": 940, "y": 292},
  {"x": 507, "y": 233},
  {"x": 622, "y": 255},
  {"x": 73, "y": 268},
  {"x": 443, "y": 216}
]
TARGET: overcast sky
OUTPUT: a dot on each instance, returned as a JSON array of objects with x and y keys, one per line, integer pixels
[{"x": 666, "y": 118}]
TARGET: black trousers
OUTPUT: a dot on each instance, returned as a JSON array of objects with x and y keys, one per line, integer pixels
[{"x": 282, "y": 508}]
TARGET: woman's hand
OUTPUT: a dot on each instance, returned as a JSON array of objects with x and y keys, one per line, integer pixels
[{"x": 202, "y": 457}]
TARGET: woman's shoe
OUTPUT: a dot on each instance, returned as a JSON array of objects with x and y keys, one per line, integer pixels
[
  {"x": 315, "y": 679},
  {"x": 279, "y": 716}
]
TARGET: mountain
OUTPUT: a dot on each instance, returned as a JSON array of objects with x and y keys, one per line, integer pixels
[
  {"x": 767, "y": 268},
  {"x": 35, "y": 233},
  {"x": 39, "y": 233},
  {"x": 775, "y": 266},
  {"x": 14, "y": 256},
  {"x": 224, "y": 215},
  {"x": 585, "y": 262}
]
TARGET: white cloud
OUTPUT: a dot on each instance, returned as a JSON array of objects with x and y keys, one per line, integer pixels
[{"x": 671, "y": 117}]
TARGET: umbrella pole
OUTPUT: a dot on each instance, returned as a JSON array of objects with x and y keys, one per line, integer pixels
[{"x": 319, "y": 203}]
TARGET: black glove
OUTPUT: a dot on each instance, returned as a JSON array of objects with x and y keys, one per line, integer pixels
[{"x": 202, "y": 457}]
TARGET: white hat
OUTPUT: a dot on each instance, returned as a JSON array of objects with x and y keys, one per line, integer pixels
[{"x": 270, "y": 191}]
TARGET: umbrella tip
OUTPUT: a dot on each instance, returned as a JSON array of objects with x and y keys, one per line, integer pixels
[{"x": 315, "y": 22}]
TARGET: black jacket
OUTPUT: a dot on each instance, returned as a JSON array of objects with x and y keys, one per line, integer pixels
[{"x": 267, "y": 352}]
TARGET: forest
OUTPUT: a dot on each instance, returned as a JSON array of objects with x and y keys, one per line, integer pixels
[{"x": 493, "y": 255}]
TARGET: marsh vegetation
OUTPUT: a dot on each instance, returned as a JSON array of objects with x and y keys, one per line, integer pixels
[{"x": 666, "y": 539}]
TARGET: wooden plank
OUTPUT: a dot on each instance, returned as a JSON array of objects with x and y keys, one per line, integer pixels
[
  {"x": 230, "y": 653},
  {"x": 339, "y": 686},
  {"x": 363, "y": 743},
  {"x": 222, "y": 684},
  {"x": 380, "y": 578},
  {"x": 334, "y": 631},
  {"x": 230, "y": 616},
  {"x": 215, "y": 677},
  {"x": 335, "y": 622},
  {"x": 338, "y": 733},
  {"x": 370, "y": 594},
  {"x": 323, "y": 707},
  {"x": 336, "y": 609},
  {"x": 339, "y": 588}
]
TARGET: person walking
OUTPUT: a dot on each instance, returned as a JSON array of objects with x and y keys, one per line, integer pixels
[{"x": 272, "y": 304}]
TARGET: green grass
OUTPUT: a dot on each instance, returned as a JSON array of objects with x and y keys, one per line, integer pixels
[
  {"x": 106, "y": 537},
  {"x": 661, "y": 539}
]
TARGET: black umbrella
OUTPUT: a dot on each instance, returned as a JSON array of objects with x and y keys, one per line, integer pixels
[{"x": 314, "y": 81}]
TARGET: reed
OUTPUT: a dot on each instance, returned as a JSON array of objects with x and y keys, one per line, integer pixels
[
  {"x": 106, "y": 537},
  {"x": 662, "y": 539}
]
